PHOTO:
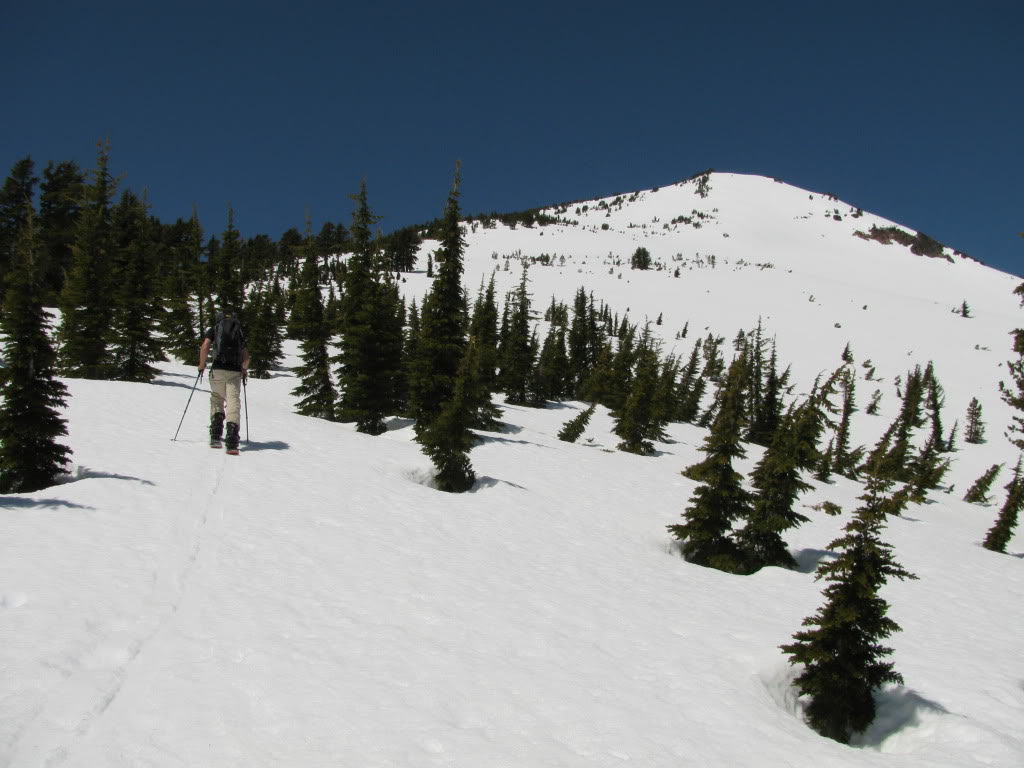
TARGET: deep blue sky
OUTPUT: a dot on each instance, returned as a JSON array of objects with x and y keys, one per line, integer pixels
[{"x": 912, "y": 110}]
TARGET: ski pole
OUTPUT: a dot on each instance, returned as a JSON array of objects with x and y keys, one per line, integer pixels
[
  {"x": 245, "y": 396},
  {"x": 186, "y": 406}
]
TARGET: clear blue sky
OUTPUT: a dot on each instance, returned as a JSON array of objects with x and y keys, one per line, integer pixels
[{"x": 912, "y": 110}]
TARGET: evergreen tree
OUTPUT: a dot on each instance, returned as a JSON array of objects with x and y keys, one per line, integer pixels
[
  {"x": 637, "y": 423},
  {"x": 978, "y": 493},
  {"x": 575, "y": 427},
  {"x": 484, "y": 329},
  {"x": 581, "y": 355},
  {"x": 876, "y": 400},
  {"x": 16, "y": 197},
  {"x": 1013, "y": 395},
  {"x": 133, "y": 342},
  {"x": 31, "y": 396},
  {"x": 370, "y": 369},
  {"x": 444, "y": 369},
  {"x": 767, "y": 415},
  {"x": 1000, "y": 533},
  {"x": 845, "y": 461},
  {"x": 550, "y": 377},
  {"x": 180, "y": 285},
  {"x": 85, "y": 302},
  {"x": 934, "y": 400},
  {"x": 226, "y": 265},
  {"x": 263, "y": 329},
  {"x": 720, "y": 499},
  {"x": 777, "y": 483},
  {"x": 517, "y": 359},
  {"x": 315, "y": 391},
  {"x": 896, "y": 463},
  {"x": 841, "y": 653},
  {"x": 690, "y": 388},
  {"x": 448, "y": 439},
  {"x": 926, "y": 471},
  {"x": 622, "y": 369},
  {"x": 641, "y": 259},
  {"x": 59, "y": 203},
  {"x": 597, "y": 386},
  {"x": 974, "y": 432}
]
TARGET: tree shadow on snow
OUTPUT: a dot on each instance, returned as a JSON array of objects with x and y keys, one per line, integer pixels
[
  {"x": 84, "y": 473},
  {"x": 398, "y": 423},
  {"x": 896, "y": 709},
  {"x": 807, "y": 560},
  {"x": 13, "y": 502},
  {"x": 493, "y": 439},
  {"x": 271, "y": 445},
  {"x": 490, "y": 482}
]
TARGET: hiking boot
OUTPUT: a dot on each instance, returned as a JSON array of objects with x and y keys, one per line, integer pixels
[
  {"x": 231, "y": 441},
  {"x": 216, "y": 427}
]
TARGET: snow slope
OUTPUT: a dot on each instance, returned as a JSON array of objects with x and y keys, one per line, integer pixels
[{"x": 314, "y": 602}]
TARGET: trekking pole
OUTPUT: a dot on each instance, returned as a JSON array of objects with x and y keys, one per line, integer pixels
[
  {"x": 186, "y": 406},
  {"x": 245, "y": 396}
]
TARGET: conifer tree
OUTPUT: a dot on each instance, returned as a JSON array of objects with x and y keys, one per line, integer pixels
[
  {"x": 85, "y": 301},
  {"x": 720, "y": 499},
  {"x": 484, "y": 329},
  {"x": 1013, "y": 394},
  {"x": 550, "y": 377},
  {"x": 371, "y": 339},
  {"x": 575, "y": 427},
  {"x": 315, "y": 391},
  {"x": 876, "y": 400},
  {"x": 926, "y": 471},
  {"x": 974, "y": 432},
  {"x": 845, "y": 461},
  {"x": 690, "y": 388},
  {"x": 1000, "y": 533},
  {"x": 597, "y": 386},
  {"x": 843, "y": 661},
  {"x": 978, "y": 492},
  {"x": 517, "y": 359},
  {"x": 31, "y": 396},
  {"x": 622, "y": 368},
  {"x": 896, "y": 463},
  {"x": 934, "y": 400},
  {"x": 16, "y": 197},
  {"x": 637, "y": 423},
  {"x": 448, "y": 439},
  {"x": 134, "y": 345},
  {"x": 767, "y": 415},
  {"x": 178, "y": 322},
  {"x": 59, "y": 202},
  {"x": 226, "y": 264},
  {"x": 444, "y": 370},
  {"x": 263, "y": 332}
]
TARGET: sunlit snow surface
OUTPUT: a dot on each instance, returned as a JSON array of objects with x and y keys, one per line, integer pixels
[{"x": 314, "y": 602}]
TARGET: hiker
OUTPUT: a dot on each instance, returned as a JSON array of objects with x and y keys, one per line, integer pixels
[{"x": 228, "y": 372}]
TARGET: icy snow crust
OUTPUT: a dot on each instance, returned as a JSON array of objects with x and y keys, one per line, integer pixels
[{"x": 315, "y": 602}]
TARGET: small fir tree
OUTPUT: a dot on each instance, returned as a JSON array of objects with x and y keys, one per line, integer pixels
[
  {"x": 31, "y": 396},
  {"x": 974, "y": 432},
  {"x": 448, "y": 439},
  {"x": 978, "y": 492},
  {"x": 842, "y": 658},
  {"x": 720, "y": 499},
  {"x": 134, "y": 345},
  {"x": 574, "y": 428},
  {"x": 517, "y": 357},
  {"x": 1000, "y": 533},
  {"x": 315, "y": 391},
  {"x": 637, "y": 423},
  {"x": 1013, "y": 394},
  {"x": 59, "y": 204},
  {"x": 85, "y": 301}
]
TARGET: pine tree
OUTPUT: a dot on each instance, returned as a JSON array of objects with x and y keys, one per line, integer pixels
[
  {"x": 934, "y": 400},
  {"x": 845, "y": 461},
  {"x": 843, "y": 661},
  {"x": 575, "y": 427},
  {"x": 59, "y": 201},
  {"x": 85, "y": 301},
  {"x": 978, "y": 492},
  {"x": 227, "y": 268},
  {"x": 637, "y": 423},
  {"x": 315, "y": 391},
  {"x": 443, "y": 368},
  {"x": 1000, "y": 533},
  {"x": 622, "y": 368},
  {"x": 31, "y": 396},
  {"x": 974, "y": 432},
  {"x": 16, "y": 197},
  {"x": 1013, "y": 395},
  {"x": 448, "y": 439},
  {"x": 720, "y": 499},
  {"x": 690, "y": 388},
  {"x": 134, "y": 345},
  {"x": 777, "y": 482},
  {"x": 263, "y": 329},
  {"x": 876, "y": 400},
  {"x": 896, "y": 462},
  {"x": 517, "y": 359},
  {"x": 484, "y": 329},
  {"x": 926, "y": 471},
  {"x": 371, "y": 335},
  {"x": 550, "y": 377},
  {"x": 178, "y": 323}
]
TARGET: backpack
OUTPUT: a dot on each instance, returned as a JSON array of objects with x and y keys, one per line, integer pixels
[{"x": 228, "y": 343}]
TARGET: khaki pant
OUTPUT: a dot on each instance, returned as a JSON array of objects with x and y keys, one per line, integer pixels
[{"x": 226, "y": 387}]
